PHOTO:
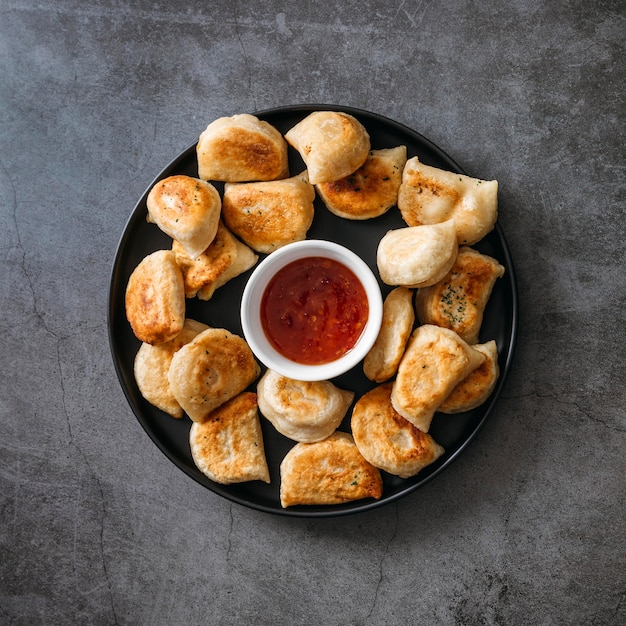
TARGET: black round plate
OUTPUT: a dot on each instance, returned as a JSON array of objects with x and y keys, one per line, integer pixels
[{"x": 140, "y": 238}]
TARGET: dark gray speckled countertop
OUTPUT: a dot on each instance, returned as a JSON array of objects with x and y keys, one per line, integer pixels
[{"x": 97, "y": 526}]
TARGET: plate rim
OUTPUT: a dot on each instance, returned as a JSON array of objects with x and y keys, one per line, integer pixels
[{"x": 359, "y": 506}]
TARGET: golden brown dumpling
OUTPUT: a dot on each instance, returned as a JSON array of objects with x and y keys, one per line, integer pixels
[
  {"x": 302, "y": 411},
  {"x": 332, "y": 144},
  {"x": 417, "y": 256},
  {"x": 155, "y": 298},
  {"x": 225, "y": 258},
  {"x": 435, "y": 361},
  {"x": 458, "y": 301},
  {"x": 152, "y": 365},
  {"x": 228, "y": 445},
  {"x": 269, "y": 215},
  {"x": 386, "y": 439},
  {"x": 371, "y": 190},
  {"x": 241, "y": 148},
  {"x": 187, "y": 209},
  {"x": 210, "y": 370},
  {"x": 473, "y": 390},
  {"x": 429, "y": 195},
  {"x": 381, "y": 362},
  {"x": 330, "y": 471}
]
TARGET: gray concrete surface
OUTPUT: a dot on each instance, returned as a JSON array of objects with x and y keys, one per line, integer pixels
[{"x": 97, "y": 526}]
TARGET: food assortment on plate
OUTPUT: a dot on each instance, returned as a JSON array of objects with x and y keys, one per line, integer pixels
[{"x": 427, "y": 358}]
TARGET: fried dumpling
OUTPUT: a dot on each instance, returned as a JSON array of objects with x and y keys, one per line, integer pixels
[
  {"x": 435, "y": 361},
  {"x": 241, "y": 148},
  {"x": 386, "y": 439},
  {"x": 187, "y": 209},
  {"x": 429, "y": 195},
  {"x": 225, "y": 258},
  {"x": 302, "y": 411},
  {"x": 381, "y": 362},
  {"x": 371, "y": 190},
  {"x": 332, "y": 144},
  {"x": 210, "y": 370},
  {"x": 458, "y": 301},
  {"x": 417, "y": 256},
  {"x": 330, "y": 471},
  {"x": 473, "y": 390},
  {"x": 269, "y": 215},
  {"x": 228, "y": 445},
  {"x": 152, "y": 364},
  {"x": 155, "y": 298}
]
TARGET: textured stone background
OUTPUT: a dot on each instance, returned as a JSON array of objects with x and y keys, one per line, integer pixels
[{"x": 98, "y": 527}]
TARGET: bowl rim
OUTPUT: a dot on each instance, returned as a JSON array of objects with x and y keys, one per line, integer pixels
[{"x": 257, "y": 283}]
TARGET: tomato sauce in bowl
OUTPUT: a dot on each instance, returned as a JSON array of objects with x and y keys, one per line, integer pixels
[
  {"x": 314, "y": 310},
  {"x": 311, "y": 310}
]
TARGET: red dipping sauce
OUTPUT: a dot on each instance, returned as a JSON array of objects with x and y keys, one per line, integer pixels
[{"x": 314, "y": 310}]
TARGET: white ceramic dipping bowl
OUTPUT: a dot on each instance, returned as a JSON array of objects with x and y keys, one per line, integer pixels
[{"x": 251, "y": 310}]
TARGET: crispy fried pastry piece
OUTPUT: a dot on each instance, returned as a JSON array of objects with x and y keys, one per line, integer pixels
[
  {"x": 152, "y": 364},
  {"x": 302, "y": 411},
  {"x": 331, "y": 144},
  {"x": 386, "y": 439},
  {"x": 155, "y": 298},
  {"x": 330, "y": 471},
  {"x": 210, "y": 370},
  {"x": 269, "y": 215},
  {"x": 458, "y": 301},
  {"x": 435, "y": 361},
  {"x": 224, "y": 259},
  {"x": 187, "y": 209},
  {"x": 228, "y": 445},
  {"x": 429, "y": 195},
  {"x": 241, "y": 148},
  {"x": 381, "y": 362},
  {"x": 472, "y": 391},
  {"x": 417, "y": 256},
  {"x": 370, "y": 191}
]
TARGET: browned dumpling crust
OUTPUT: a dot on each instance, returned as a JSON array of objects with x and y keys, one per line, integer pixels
[
  {"x": 474, "y": 390},
  {"x": 371, "y": 190},
  {"x": 429, "y": 195},
  {"x": 152, "y": 365},
  {"x": 330, "y": 471},
  {"x": 386, "y": 439},
  {"x": 241, "y": 148},
  {"x": 210, "y": 370},
  {"x": 381, "y": 362},
  {"x": 269, "y": 215},
  {"x": 187, "y": 209},
  {"x": 228, "y": 445},
  {"x": 302, "y": 410},
  {"x": 155, "y": 298},
  {"x": 435, "y": 361},
  {"x": 458, "y": 301},
  {"x": 332, "y": 144},
  {"x": 417, "y": 256},
  {"x": 224, "y": 259}
]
